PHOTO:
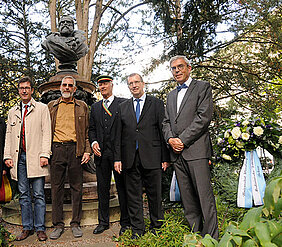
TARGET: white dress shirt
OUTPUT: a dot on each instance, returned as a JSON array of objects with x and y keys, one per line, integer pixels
[{"x": 182, "y": 92}]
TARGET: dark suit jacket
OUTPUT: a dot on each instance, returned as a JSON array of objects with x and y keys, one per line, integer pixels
[
  {"x": 191, "y": 122},
  {"x": 148, "y": 132},
  {"x": 2, "y": 142},
  {"x": 96, "y": 127}
]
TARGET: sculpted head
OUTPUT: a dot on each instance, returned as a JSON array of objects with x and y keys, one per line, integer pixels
[{"x": 66, "y": 25}]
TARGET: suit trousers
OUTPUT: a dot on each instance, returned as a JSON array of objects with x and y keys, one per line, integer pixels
[
  {"x": 104, "y": 174},
  {"x": 197, "y": 195},
  {"x": 135, "y": 178},
  {"x": 64, "y": 161}
]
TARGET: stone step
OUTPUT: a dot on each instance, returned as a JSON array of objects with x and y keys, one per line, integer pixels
[{"x": 11, "y": 213}]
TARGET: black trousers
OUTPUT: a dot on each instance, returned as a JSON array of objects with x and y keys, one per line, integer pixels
[
  {"x": 64, "y": 160},
  {"x": 104, "y": 175},
  {"x": 135, "y": 178},
  {"x": 197, "y": 196}
]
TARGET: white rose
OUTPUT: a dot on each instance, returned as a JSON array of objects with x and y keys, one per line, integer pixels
[
  {"x": 280, "y": 140},
  {"x": 258, "y": 131},
  {"x": 245, "y": 122},
  {"x": 239, "y": 144},
  {"x": 226, "y": 134},
  {"x": 236, "y": 132},
  {"x": 245, "y": 136},
  {"x": 226, "y": 157},
  {"x": 219, "y": 140}
]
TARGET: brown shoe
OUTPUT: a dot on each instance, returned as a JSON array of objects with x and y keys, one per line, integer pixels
[
  {"x": 41, "y": 235},
  {"x": 24, "y": 234}
]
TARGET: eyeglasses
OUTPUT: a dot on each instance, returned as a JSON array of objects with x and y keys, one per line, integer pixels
[
  {"x": 24, "y": 88},
  {"x": 130, "y": 84},
  {"x": 179, "y": 67},
  {"x": 67, "y": 85}
]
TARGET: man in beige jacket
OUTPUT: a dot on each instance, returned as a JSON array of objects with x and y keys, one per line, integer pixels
[{"x": 27, "y": 150}]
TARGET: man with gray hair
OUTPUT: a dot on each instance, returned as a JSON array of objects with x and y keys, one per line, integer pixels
[
  {"x": 70, "y": 149},
  {"x": 188, "y": 115}
]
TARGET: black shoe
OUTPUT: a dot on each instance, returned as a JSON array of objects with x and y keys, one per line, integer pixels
[
  {"x": 123, "y": 229},
  {"x": 100, "y": 228}
]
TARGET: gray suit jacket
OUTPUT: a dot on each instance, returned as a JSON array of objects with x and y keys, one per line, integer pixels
[{"x": 191, "y": 122}]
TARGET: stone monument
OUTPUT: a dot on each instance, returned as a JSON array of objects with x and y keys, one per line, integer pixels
[{"x": 68, "y": 46}]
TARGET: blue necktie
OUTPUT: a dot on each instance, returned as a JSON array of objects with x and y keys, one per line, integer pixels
[
  {"x": 137, "y": 113},
  {"x": 181, "y": 86}
]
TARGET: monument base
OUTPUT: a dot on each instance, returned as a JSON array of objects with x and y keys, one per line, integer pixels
[{"x": 11, "y": 213}]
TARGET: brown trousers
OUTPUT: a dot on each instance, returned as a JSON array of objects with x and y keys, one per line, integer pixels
[{"x": 65, "y": 161}]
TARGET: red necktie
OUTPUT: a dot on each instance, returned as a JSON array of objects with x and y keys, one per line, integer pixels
[{"x": 23, "y": 130}]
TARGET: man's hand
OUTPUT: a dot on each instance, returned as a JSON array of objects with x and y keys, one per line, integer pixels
[
  {"x": 85, "y": 158},
  {"x": 43, "y": 161},
  {"x": 96, "y": 149},
  {"x": 9, "y": 163},
  {"x": 176, "y": 144},
  {"x": 118, "y": 166},
  {"x": 165, "y": 165}
]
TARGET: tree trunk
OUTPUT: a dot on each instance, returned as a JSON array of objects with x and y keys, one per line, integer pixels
[{"x": 52, "y": 11}]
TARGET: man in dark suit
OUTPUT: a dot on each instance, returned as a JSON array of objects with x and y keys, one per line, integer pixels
[
  {"x": 140, "y": 152},
  {"x": 185, "y": 127},
  {"x": 101, "y": 134}
]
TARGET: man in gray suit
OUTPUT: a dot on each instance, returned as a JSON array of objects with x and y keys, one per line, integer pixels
[{"x": 185, "y": 127}]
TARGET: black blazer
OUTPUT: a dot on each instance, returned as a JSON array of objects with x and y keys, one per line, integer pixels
[
  {"x": 2, "y": 142},
  {"x": 148, "y": 132},
  {"x": 96, "y": 128}
]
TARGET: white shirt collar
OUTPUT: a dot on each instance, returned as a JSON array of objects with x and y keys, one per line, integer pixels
[
  {"x": 110, "y": 100},
  {"x": 143, "y": 97}
]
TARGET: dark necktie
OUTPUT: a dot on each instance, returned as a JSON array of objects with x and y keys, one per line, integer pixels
[
  {"x": 23, "y": 129},
  {"x": 106, "y": 102},
  {"x": 137, "y": 113},
  {"x": 181, "y": 86}
]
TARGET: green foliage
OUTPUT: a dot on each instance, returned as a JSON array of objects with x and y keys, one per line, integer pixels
[
  {"x": 260, "y": 226},
  {"x": 6, "y": 237},
  {"x": 170, "y": 234}
]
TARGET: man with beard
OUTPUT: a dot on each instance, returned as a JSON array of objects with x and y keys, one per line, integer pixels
[
  {"x": 70, "y": 149},
  {"x": 67, "y": 45}
]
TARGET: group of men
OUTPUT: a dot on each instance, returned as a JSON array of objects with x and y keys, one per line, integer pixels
[{"x": 135, "y": 139}]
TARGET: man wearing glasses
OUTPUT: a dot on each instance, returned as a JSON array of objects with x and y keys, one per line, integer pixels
[
  {"x": 70, "y": 149},
  {"x": 141, "y": 154},
  {"x": 27, "y": 150},
  {"x": 185, "y": 127}
]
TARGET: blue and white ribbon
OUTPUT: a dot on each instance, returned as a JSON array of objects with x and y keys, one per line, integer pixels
[
  {"x": 174, "y": 193},
  {"x": 251, "y": 182}
]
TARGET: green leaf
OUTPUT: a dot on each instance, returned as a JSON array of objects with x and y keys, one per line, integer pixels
[
  {"x": 225, "y": 240},
  {"x": 278, "y": 208},
  {"x": 263, "y": 234},
  {"x": 239, "y": 232},
  {"x": 278, "y": 239},
  {"x": 272, "y": 192},
  {"x": 250, "y": 218},
  {"x": 249, "y": 243},
  {"x": 208, "y": 241},
  {"x": 275, "y": 228},
  {"x": 237, "y": 240}
]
